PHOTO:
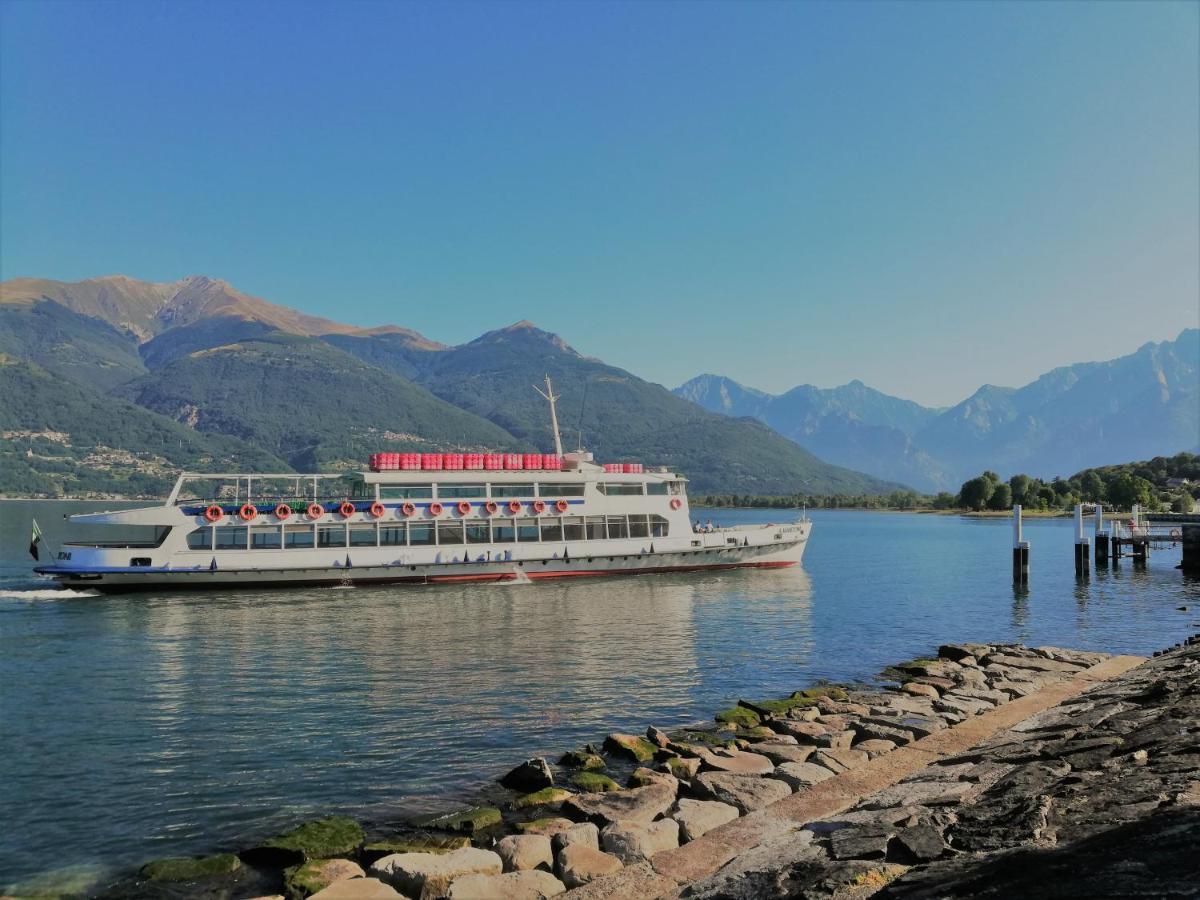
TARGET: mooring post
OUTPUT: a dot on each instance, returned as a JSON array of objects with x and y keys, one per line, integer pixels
[
  {"x": 1191, "y": 550},
  {"x": 1081, "y": 544},
  {"x": 1140, "y": 543},
  {"x": 1020, "y": 550},
  {"x": 1101, "y": 537}
]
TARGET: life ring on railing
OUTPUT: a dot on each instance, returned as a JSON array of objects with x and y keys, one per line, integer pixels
[
  {"x": 491, "y": 507},
  {"x": 283, "y": 512},
  {"x": 1176, "y": 534},
  {"x": 436, "y": 509},
  {"x": 377, "y": 510},
  {"x": 315, "y": 511},
  {"x": 464, "y": 508},
  {"x": 539, "y": 506},
  {"x": 248, "y": 512},
  {"x": 514, "y": 506},
  {"x": 214, "y": 513},
  {"x": 408, "y": 509},
  {"x": 676, "y": 503},
  {"x": 346, "y": 509},
  {"x": 562, "y": 506}
]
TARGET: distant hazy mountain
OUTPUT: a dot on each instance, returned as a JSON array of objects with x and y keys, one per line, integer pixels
[
  {"x": 263, "y": 382},
  {"x": 1088, "y": 414}
]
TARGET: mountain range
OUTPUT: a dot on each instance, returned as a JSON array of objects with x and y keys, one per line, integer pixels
[
  {"x": 112, "y": 385},
  {"x": 1074, "y": 417}
]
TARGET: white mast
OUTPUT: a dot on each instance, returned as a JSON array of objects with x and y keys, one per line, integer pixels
[{"x": 550, "y": 396}]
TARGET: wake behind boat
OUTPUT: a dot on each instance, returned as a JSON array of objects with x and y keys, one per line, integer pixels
[{"x": 418, "y": 518}]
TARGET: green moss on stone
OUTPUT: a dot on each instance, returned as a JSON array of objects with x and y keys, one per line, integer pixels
[
  {"x": 416, "y": 844},
  {"x": 190, "y": 868},
  {"x": 582, "y": 759},
  {"x": 547, "y": 825},
  {"x": 832, "y": 691},
  {"x": 477, "y": 818},
  {"x": 708, "y": 738},
  {"x": 681, "y": 769},
  {"x": 593, "y": 782},
  {"x": 541, "y": 798},
  {"x": 306, "y": 879},
  {"x": 739, "y": 717},
  {"x": 630, "y": 745},
  {"x": 321, "y": 839}
]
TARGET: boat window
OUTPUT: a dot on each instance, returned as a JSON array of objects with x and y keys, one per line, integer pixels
[
  {"x": 551, "y": 489},
  {"x": 613, "y": 489},
  {"x": 513, "y": 490},
  {"x": 656, "y": 488},
  {"x": 230, "y": 537},
  {"x": 406, "y": 491},
  {"x": 659, "y": 527},
  {"x": 331, "y": 535},
  {"x": 266, "y": 537},
  {"x": 573, "y": 528},
  {"x": 420, "y": 534},
  {"x": 552, "y": 530},
  {"x": 450, "y": 532},
  {"x": 617, "y": 527},
  {"x": 297, "y": 537},
  {"x": 200, "y": 539},
  {"x": 639, "y": 526},
  {"x": 362, "y": 535},
  {"x": 527, "y": 529},
  {"x": 503, "y": 531},
  {"x": 461, "y": 491},
  {"x": 595, "y": 528},
  {"x": 362, "y": 491},
  {"x": 393, "y": 535},
  {"x": 675, "y": 487},
  {"x": 477, "y": 533}
]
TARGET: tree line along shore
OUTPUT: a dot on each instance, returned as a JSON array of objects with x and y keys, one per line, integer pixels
[{"x": 1162, "y": 484}]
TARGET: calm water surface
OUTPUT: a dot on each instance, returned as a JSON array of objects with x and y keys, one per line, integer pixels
[{"x": 147, "y": 725}]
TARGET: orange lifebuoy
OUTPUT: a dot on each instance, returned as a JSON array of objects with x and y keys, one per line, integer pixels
[
  {"x": 676, "y": 503},
  {"x": 248, "y": 512},
  {"x": 562, "y": 506},
  {"x": 408, "y": 509},
  {"x": 283, "y": 512},
  {"x": 346, "y": 509},
  {"x": 539, "y": 506},
  {"x": 435, "y": 508},
  {"x": 377, "y": 510},
  {"x": 315, "y": 511},
  {"x": 491, "y": 507},
  {"x": 514, "y": 506},
  {"x": 464, "y": 508},
  {"x": 214, "y": 513}
]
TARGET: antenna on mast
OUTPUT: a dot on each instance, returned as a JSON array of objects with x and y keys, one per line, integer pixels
[{"x": 551, "y": 398}]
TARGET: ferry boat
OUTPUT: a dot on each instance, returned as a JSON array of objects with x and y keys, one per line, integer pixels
[{"x": 418, "y": 518}]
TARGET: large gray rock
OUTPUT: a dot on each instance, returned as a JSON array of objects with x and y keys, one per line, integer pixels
[
  {"x": 643, "y": 804},
  {"x": 531, "y": 775},
  {"x": 357, "y": 889},
  {"x": 921, "y": 793},
  {"x": 696, "y": 817},
  {"x": 527, "y": 885},
  {"x": 1033, "y": 663},
  {"x": 428, "y": 876},
  {"x": 798, "y": 776},
  {"x": 579, "y": 864},
  {"x": 585, "y": 833},
  {"x": 783, "y": 753},
  {"x": 632, "y": 842},
  {"x": 838, "y": 761},
  {"x": 746, "y": 792},
  {"x": 737, "y": 761},
  {"x": 525, "y": 851}
]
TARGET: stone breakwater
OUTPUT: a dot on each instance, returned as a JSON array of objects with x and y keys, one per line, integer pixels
[{"x": 690, "y": 801}]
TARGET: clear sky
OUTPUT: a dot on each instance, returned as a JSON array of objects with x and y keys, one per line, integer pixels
[{"x": 926, "y": 196}]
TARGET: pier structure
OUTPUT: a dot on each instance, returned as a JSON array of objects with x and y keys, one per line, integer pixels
[
  {"x": 1020, "y": 550},
  {"x": 1101, "y": 536},
  {"x": 1082, "y": 546}
]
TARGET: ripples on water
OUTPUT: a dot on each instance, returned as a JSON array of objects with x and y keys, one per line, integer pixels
[{"x": 148, "y": 725}]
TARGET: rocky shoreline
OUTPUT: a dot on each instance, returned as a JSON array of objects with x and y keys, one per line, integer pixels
[{"x": 590, "y": 824}]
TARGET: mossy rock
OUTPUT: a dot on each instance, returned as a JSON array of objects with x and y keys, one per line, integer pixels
[
  {"x": 469, "y": 821},
  {"x": 684, "y": 770},
  {"x": 414, "y": 843},
  {"x": 832, "y": 691},
  {"x": 544, "y": 797},
  {"x": 547, "y": 825},
  {"x": 315, "y": 875},
  {"x": 321, "y": 839},
  {"x": 630, "y": 745},
  {"x": 642, "y": 776},
  {"x": 758, "y": 733},
  {"x": 593, "y": 782},
  {"x": 739, "y": 717},
  {"x": 708, "y": 738},
  {"x": 582, "y": 759},
  {"x": 185, "y": 868}
]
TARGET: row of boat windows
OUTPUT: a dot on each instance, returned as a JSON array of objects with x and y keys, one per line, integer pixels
[
  {"x": 531, "y": 489},
  {"x": 426, "y": 534}
]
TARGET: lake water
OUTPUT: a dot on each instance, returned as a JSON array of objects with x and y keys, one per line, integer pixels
[{"x": 147, "y": 725}]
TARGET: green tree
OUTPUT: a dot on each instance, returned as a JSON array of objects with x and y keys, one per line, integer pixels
[
  {"x": 945, "y": 500},
  {"x": 976, "y": 493},
  {"x": 1091, "y": 486},
  {"x": 1126, "y": 490},
  {"x": 1024, "y": 491},
  {"x": 1001, "y": 497}
]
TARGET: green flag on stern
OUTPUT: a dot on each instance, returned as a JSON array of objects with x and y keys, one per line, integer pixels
[{"x": 34, "y": 539}]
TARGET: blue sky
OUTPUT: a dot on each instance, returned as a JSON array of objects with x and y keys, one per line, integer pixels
[{"x": 925, "y": 196}]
